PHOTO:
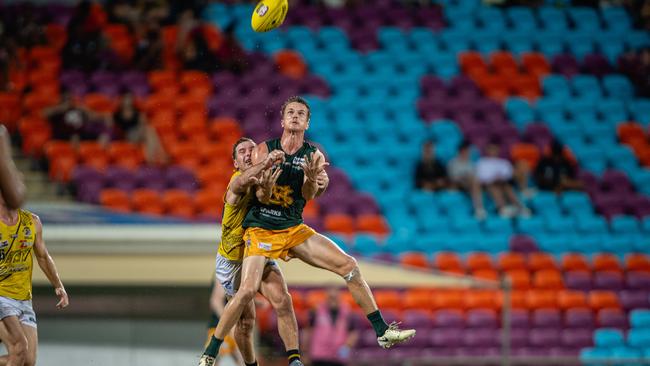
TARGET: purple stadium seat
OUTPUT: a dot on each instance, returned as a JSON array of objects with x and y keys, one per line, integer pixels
[
  {"x": 612, "y": 318},
  {"x": 579, "y": 318},
  {"x": 518, "y": 337},
  {"x": 578, "y": 280},
  {"x": 522, "y": 244},
  {"x": 565, "y": 352},
  {"x": 631, "y": 299},
  {"x": 614, "y": 180},
  {"x": 608, "y": 280},
  {"x": 452, "y": 337},
  {"x": 364, "y": 204},
  {"x": 416, "y": 319},
  {"x": 448, "y": 319},
  {"x": 547, "y": 318},
  {"x": 89, "y": 183},
  {"x": 637, "y": 280},
  {"x": 596, "y": 64},
  {"x": 481, "y": 318},
  {"x": 577, "y": 338},
  {"x": 120, "y": 178},
  {"x": 545, "y": 337},
  {"x": 150, "y": 177},
  {"x": 519, "y": 318},
  {"x": 477, "y": 351},
  {"x": 565, "y": 64},
  {"x": 481, "y": 338}
]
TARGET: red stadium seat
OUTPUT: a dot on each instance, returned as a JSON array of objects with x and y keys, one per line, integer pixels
[
  {"x": 541, "y": 299},
  {"x": 178, "y": 202},
  {"x": 147, "y": 201},
  {"x": 413, "y": 259},
  {"x": 115, "y": 199},
  {"x": 448, "y": 262},
  {"x": 512, "y": 261},
  {"x": 575, "y": 262},
  {"x": 479, "y": 261},
  {"x": 339, "y": 223},
  {"x": 637, "y": 262},
  {"x": 568, "y": 299},
  {"x": 548, "y": 279},
  {"x": 603, "y": 300},
  {"x": 538, "y": 261},
  {"x": 520, "y": 278},
  {"x": 370, "y": 223},
  {"x": 606, "y": 262}
]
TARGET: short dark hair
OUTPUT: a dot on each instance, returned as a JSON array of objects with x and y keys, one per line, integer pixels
[
  {"x": 296, "y": 99},
  {"x": 234, "y": 147}
]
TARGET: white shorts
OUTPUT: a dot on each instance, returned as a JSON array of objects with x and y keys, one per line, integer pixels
[
  {"x": 228, "y": 273},
  {"x": 22, "y": 309}
]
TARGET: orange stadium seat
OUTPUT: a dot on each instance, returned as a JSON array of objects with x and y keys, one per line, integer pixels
[
  {"x": 520, "y": 278},
  {"x": 170, "y": 36},
  {"x": 209, "y": 203},
  {"x": 38, "y": 77},
  {"x": 472, "y": 61},
  {"x": 56, "y": 35},
  {"x": 162, "y": 78},
  {"x": 125, "y": 154},
  {"x": 574, "y": 262},
  {"x": 414, "y": 259},
  {"x": 214, "y": 174},
  {"x": 213, "y": 37},
  {"x": 191, "y": 104},
  {"x": 182, "y": 150},
  {"x": 38, "y": 53},
  {"x": 510, "y": 261},
  {"x": 448, "y": 262},
  {"x": 56, "y": 148},
  {"x": 486, "y": 274},
  {"x": 61, "y": 168},
  {"x": 192, "y": 78},
  {"x": 10, "y": 110},
  {"x": 157, "y": 103},
  {"x": 415, "y": 298},
  {"x": 526, "y": 86},
  {"x": 482, "y": 299},
  {"x": 448, "y": 299},
  {"x": 541, "y": 299},
  {"x": 568, "y": 299},
  {"x": 89, "y": 149},
  {"x": 548, "y": 279},
  {"x": 629, "y": 131},
  {"x": 479, "y": 261},
  {"x": 100, "y": 103},
  {"x": 603, "y": 300},
  {"x": 539, "y": 261},
  {"x": 370, "y": 223},
  {"x": 216, "y": 153},
  {"x": 35, "y": 102},
  {"x": 504, "y": 63},
  {"x": 35, "y": 132},
  {"x": 115, "y": 199},
  {"x": 494, "y": 86},
  {"x": 518, "y": 299},
  {"x": 606, "y": 262},
  {"x": 535, "y": 64},
  {"x": 311, "y": 210},
  {"x": 178, "y": 202},
  {"x": 315, "y": 298},
  {"x": 389, "y": 299},
  {"x": 225, "y": 129},
  {"x": 291, "y": 64},
  {"x": 525, "y": 152},
  {"x": 147, "y": 201},
  {"x": 339, "y": 223},
  {"x": 193, "y": 126},
  {"x": 637, "y": 262}
]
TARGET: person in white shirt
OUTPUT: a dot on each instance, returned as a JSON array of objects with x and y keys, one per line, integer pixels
[{"x": 462, "y": 174}]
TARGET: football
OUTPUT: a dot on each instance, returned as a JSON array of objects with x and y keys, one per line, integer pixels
[{"x": 269, "y": 14}]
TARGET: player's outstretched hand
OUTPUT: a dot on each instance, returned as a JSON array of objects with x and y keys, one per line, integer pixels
[
  {"x": 269, "y": 177},
  {"x": 63, "y": 298},
  {"x": 322, "y": 179},
  {"x": 274, "y": 157},
  {"x": 313, "y": 166}
]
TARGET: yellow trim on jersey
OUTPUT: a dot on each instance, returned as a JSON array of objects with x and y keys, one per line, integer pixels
[
  {"x": 16, "y": 260},
  {"x": 232, "y": 232}
]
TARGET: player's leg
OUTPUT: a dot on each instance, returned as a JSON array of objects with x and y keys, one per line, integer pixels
[
  {"x": 243, "y": 334},
  {"x": 15, "y": 340},
  {"x": 321, "y": 252},
  {"x": 274, "y": 288},
  {"x": 32, "y": 344},
  {"x": 252, "y": 271}
]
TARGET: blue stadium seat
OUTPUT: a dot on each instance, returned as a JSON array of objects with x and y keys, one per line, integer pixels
[
  {"x": 620, "y": 243},
  {"x": 618, "y": 86},
  {"x": 586, "y": 86},
  {"x": 640, "y": 319},
  {"x": 639, "y": 338},
  {"x": 637, "y": 39},
  {"x": 626, "y": 353},
  {"x": 645, "y": 224},
  {"x": 608, "y": 338},
  {"x": 584, "y": 19},
  {"x": 561, "y": 224},
  {"x": 612, "y": 111},
  {"x": 592, "y": 224},
  {"x": 533, "y": 226},
  {"x": 492, "y": 243},
  {"x": 575, "y": 200},
  {"x": 639, "y": 110},
  {"x": 554, "y": 86},
  {"x": 552, "y": 18},
  {"x": 616, "y": 19},
  {"x": 497, "y": 225},
  {"x": 520, "y": 112},
  {"x": 521, "y": 18},
  {"x": 625, "y": 224},
  {"x": 366, "y": 245},
  {"x": 588, "y": 243}
]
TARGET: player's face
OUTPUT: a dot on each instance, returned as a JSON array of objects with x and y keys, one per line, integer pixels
[
  {"x": 296, "y": 117},
  {"x": 243, "y": 155}
]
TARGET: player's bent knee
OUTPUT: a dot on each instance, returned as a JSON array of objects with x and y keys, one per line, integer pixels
[
  {"x": 245, "y": 326},
  {"x": 245, "y": 295},
  {"x": 283, "y": 304},
  {"x": 18, "y": 348},
  {"x": 350, "y": 269}
]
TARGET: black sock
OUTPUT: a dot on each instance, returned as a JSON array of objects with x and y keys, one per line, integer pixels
[
  {"x": 378, "y": 323},
  {"x": 251, "y": 364},
  {"x": 293, "y": 354},
  {"x": 213, "y": 347}
]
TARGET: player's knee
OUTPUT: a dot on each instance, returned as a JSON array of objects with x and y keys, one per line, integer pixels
[
  {"x": 282, "y": 303},
  {"x": 245, "y": 295},
  {"x": 18, "y": 348},
  {"x": 349, "y": 269}
]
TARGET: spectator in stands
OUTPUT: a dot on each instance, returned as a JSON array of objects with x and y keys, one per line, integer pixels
[
  {"x": 462, "y": 174},
  {"x": 555, "y": 172},
  {"x": 230, "y": 55},
  {"x": 85, "y": 47},
  {"x": 130, "y": 124},
  {"x": 192, "y": 46},
  {"x": 73, "y": 122},
  {"x": 148, "y": 49},
  {"x": 496, "y": 174},
  {"x": 430, "y": 173},
  {"x": 331, "y": 335}
]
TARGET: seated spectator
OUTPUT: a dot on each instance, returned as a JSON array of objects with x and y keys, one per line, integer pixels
[
  {"x": 462, "y": 174},
  {"x": 193, "y": 50},
  {"x": 430, "y": 173},
  {"x": 130, "y": 124},
  {"x": 496, "y": 174},
  {"x": 74, "y": 123},
  {"x": 148, "y": 48},
  {"x": 555, "y": 172}
]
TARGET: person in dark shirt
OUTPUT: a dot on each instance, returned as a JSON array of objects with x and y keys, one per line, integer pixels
[
  {"x": 555, "y": 172},
  {"x": 73, "y": 122},
  {"x": 430, "y": 173}
]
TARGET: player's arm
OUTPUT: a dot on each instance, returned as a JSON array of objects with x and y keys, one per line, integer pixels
[
  {"x": 46, "y": 263},
  {"x": 266, "y": 183},
  {"x": 312, "y": 168},
  {"x": 217, "y": 303},
  {"x": 250, "y": 176},
  {"x": 323, "y": 181},
  {"x": 11, "y": 182}
]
